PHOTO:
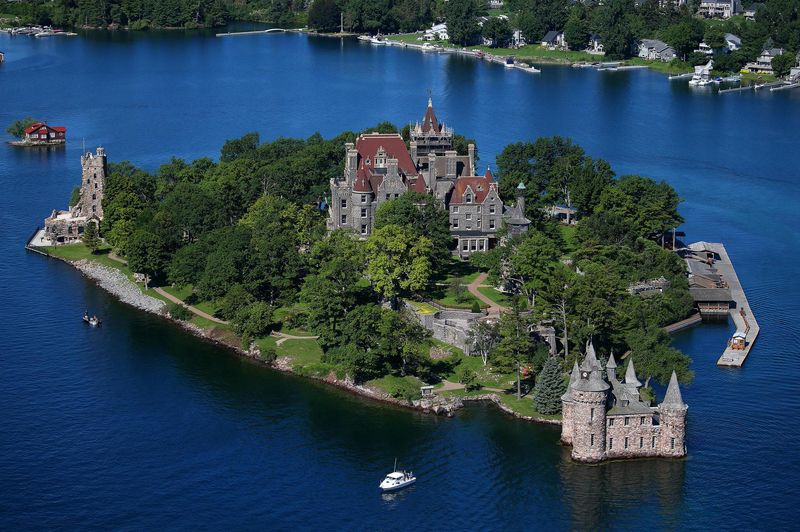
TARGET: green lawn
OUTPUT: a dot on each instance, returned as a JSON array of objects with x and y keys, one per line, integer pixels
[
  {"x": 538, "y": 53},
  {"x": 672, "y": 68},
  {"x": 401, "y": 387},
  {"x": 487, "y": 377},
  {"x": 407, "y": 38},
  {"x": 504, "y": 300},
  {"x": 568, "y": 235},
  {"x": 447, "y": 298}
]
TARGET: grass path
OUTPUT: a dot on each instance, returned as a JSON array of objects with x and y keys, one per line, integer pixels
[{"x": 282, "y": 337}]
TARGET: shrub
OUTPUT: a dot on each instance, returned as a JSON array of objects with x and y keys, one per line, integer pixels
[
  {"x": 268, "y": 354},
  {"x": 476, "y": 307},
  {"x": 469, "y": 379},
  {"x": 179, "y": 312},
  {"x": 254, "y": 320}
]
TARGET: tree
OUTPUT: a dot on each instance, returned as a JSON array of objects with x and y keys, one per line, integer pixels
[
  {"x": 497, "y": 30},
  {"x": 655, "y": 358},
  {"x": 685, "y": 36},
  {"x": 530, "y": 264},
  {"x": 253, "y": 320},
  {"x": 483, "y": 336},
  {"x": 398, "y": 261},
  {"x": 462, "y": 21},
  {"x": 782, "y": 64},
  {"x": 714, "y": 36},
  {"x": 146, "y": 254},
  {"x": 90, "y": 237},
  {"x": 324, "y": 15},
  {"x": 647, "y": 207},
  {"x": 17, "y": 129},
  {"x": 614, "y": 28},
  {"x": 516, "y": 345},
  {"x": 468, "y": 378},
  {"x": 558, "y": 295},
  {"x": 550, "y": 386},
  {"x": 425, "y": 217},
  {"x": 576, "y": 29}
]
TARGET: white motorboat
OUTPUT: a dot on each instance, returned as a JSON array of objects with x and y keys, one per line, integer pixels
[
  {"x": 366, "y": 38},
  {"x": 377, "y": 40},
  {"x": 428, "y": 47},
  {"x": 397, "y": 480},
  {"x": 700, "y": 81}
]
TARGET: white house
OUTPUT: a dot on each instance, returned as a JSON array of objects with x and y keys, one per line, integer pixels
[
  {"x": 595, "y": 45},
  {"x": 438, "y": 32},
  {"x": 554, "y": 39},
  {"x": 719, "y": 8}
]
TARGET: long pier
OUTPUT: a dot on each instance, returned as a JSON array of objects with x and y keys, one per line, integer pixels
[
  {"x": 253, "y": 32},
  {"x": 741, "y": 314}
]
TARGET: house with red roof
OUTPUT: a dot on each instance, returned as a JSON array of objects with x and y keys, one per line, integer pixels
[
  {"x": 41, "y": 133},
  {"x": 379, "y": 167}
]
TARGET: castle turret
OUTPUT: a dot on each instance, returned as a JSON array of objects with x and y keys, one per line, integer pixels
[
  {"x": 567, "y": 407},
  {"x": 672, "y": 410},
  {"x": 611, "y": 368},
  {"x": 630, "y": 376},
  {"x": 589, "y": 412}
]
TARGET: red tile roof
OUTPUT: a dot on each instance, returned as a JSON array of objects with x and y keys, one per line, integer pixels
[
  {"x": 39, "y": 125},
  {"x": 393, "y": 144},
  {"x": 480, "y": 187}
]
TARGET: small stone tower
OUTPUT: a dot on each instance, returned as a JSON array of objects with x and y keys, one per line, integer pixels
[
  {"x": 93, "y": 180},
  {"x": 568, "y": 407},
  {"x": 589, "y": 395},
  {"x": 672, "y": 412}
]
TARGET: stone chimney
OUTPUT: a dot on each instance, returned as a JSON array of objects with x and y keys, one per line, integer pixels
[
  {"x": 391, "y": 168},
  {"x": 471, "y": 153},
  {"x": 351, "y": 163},
  {"x": 450, "y": 164},
  {"x": 413, "y": 149}
]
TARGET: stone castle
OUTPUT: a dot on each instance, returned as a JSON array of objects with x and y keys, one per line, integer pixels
[
  {"x": 63, "y": 227},
  {"x": 380, "y": 167},
  {"x": 604, "y": 419}
]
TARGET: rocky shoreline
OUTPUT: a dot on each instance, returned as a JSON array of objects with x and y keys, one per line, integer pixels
[{"x": 117, "y": 284}]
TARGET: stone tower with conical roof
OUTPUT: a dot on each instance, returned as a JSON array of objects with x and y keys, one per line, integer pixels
[
  {"x": 589, "y": 395},
  {"x": 604, "y": 418},
  {"x": 93, "y": 180},
  {"x": 672, "y": 413}
]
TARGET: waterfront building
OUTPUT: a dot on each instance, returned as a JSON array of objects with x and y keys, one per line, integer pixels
[
  {"x": 656, "y": 50},
  {"x": 764, "y": 62},
  {"x": 604, "y": 418},
  {"x": 379, "y": 167},
  {"x": 719, "y": 8},
  {"x": 63, "y": 227},
  {"x": 554, "y": 40},
  {"x": 41, "y": 133},
  {"x": 732, "y": 42}
]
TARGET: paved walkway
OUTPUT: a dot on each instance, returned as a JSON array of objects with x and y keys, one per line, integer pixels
[
  {"x": 282, "y": 337},
  {"x": 449, "y": 386},
  {"x": 193, "y": 310},
  {"x": 494, "y": 308}
]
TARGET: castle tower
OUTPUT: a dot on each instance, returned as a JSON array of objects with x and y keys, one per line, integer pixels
[
  {"x": 611, "y": 368},
  {"x": 93, "y": 179},
  {"x": 589, "y": 411},
  {"x": 521, "y": 197},
  {"x": 567, "y": 407},
  {"x": 672, "y": 410}
]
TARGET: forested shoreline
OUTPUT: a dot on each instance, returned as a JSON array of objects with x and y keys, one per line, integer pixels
[{"x": 245, "y": 238}]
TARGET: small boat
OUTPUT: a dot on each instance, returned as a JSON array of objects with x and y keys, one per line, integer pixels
[
  {"x": 377, "y": 40},
  {"x": 699, "y": 81},
  {"x": 366, "y": 38},
  {"x": 397, "y": 480},
  {"x": 427, "y": 47},
  {"x": 509, "y": 62},
  {"x": 94, "y": 321}
]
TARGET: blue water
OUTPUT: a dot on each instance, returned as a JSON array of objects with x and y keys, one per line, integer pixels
[{"x": 138, "y": 425}]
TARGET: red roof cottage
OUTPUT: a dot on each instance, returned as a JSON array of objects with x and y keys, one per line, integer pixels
[{"x": 39, "y": 132}]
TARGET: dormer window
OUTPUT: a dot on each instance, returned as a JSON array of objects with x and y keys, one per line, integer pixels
[
  {"x": 468, "y": 198},
  {"x": 480, "y": 188}
]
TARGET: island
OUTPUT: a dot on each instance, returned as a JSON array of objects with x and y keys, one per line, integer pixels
[{"x": 409, "y": 276}]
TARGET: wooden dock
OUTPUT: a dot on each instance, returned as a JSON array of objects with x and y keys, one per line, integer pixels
[
  {"x": 742, "y": 315},
  {"x": 692, "y": 320}
]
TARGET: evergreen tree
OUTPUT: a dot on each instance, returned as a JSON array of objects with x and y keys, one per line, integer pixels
[
  {"x": 549, "y": 388},
  {"x": 90, "y": 236}
]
